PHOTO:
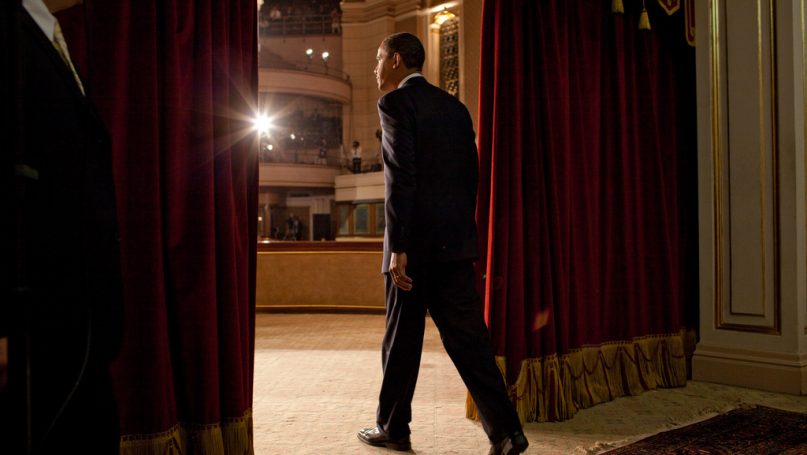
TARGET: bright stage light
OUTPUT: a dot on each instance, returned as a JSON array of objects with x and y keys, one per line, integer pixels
[{"x": 262, "y": 124}]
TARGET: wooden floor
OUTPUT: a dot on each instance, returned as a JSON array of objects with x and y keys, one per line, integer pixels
[{"x": 317, "y": 378}]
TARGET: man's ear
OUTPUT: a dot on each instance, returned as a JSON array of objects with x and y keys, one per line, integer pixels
[{"x": 396, "y": 60}]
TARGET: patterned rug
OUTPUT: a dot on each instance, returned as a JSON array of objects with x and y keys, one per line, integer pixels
[{"x": 756, "y": 430}]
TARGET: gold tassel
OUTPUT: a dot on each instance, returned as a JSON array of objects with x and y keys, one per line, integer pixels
[
  {"x": 470, "y": 407},
  {"x": 233, "y": 435},
  {"x": 617, "y": 7},
  {"x": 554, "y": 388},
  {"x": 644, "y": 19}
]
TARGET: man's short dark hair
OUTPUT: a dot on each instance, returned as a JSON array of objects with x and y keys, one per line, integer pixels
[{"x": 408, "y": 46}]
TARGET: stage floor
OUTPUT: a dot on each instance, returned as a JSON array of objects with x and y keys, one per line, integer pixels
[{"x": 317, "y": 378}]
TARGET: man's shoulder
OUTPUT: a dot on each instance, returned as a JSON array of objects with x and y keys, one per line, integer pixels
[
  {"x": 411, "y": 93},
  {"x": 392, "y": 97},
  {"x": 414, "y": 94}
]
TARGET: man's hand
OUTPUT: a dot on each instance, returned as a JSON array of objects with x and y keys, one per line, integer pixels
[{"x": 397, "y": 271}]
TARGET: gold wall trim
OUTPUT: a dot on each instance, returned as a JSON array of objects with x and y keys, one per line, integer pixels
[
  {"x": 741, "y": 313},
  {"x": 261, "y": 253},
  {"x": 750, "y": 328},
  {"x": 722, "y": 228},
  {"x": 717, "y": 175},
  {"x": 321, "y": 308},
  {"x": 374, "y": 246},
  {"x": 804, "y": 132},
  {"x": 777, "y": 278},
  {"x": 761, "y": 118}
]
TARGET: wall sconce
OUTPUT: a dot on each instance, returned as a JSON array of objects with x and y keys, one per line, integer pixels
[
  {"x": 441, "y": 18},
  {"x": 325, "y": 56},
  {"x": 310, "y": 53}
]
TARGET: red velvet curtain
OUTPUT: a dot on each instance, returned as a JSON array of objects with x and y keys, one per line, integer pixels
[
  {"x": 176, "y": 83},
  {"x": 586, "y": 139}
]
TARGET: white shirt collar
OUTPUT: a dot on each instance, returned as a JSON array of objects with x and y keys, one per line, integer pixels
[
  {"x": 43, "y": 18},
  {"x": 416, "y": 74}
]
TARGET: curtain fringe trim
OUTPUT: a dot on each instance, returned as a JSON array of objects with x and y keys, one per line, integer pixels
[
  {"x": 554, "y": 388},
  {"x": 231, "y": 436}
]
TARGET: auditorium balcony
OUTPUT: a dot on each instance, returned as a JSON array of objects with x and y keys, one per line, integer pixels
[
  {"x": 294, "y": 73},
  {"x": 305, "y": 99},
  {"x": 300, "y": 17}
]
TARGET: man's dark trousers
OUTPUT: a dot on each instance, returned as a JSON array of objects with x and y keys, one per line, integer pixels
[{"x": 447, "y": 291}]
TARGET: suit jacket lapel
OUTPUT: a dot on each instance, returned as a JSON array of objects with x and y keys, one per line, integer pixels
[
  {"x": 47, "y": 47},
  {"x": 59, "y": 65}
]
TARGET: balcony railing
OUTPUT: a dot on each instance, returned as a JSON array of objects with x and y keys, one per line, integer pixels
[
  {"x": 272, "y": 61},
  {"x": 302, "y": 156},
  {"x": 319, "y": 68},
  {"x": 334, "y": 159},
  {"x": 300, "y": 25}
]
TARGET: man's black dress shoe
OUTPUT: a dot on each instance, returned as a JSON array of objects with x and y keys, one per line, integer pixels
[
  {"x": 376, "y": 437},
  {"x": 512, "y": 445}
]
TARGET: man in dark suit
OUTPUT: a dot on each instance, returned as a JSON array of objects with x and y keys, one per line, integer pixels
[
  {"x": 430, "y": 244},
  {"x": 59, "y": 260}
]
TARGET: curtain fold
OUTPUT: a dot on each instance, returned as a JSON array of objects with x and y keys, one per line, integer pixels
[
  {"x": 176, "y": 83},
  {"x": 583, "y": 228}
]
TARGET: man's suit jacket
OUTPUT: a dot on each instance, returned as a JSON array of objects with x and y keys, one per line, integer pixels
[
  {"x": 431, "y": 174},
  {"x": 63, "y": 244}
]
